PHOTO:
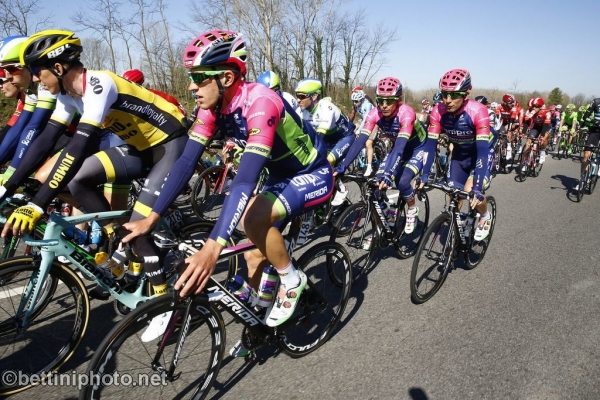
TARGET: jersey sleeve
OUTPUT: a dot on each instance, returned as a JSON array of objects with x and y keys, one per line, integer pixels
[{"x": 100, "y": 93}]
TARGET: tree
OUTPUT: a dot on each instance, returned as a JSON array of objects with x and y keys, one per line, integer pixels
[
  {"x": 16, "y": 17},
  {"x": 555, "y": 96}
]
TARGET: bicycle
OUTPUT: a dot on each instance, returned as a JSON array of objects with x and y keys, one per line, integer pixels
[
  {"x": 44, "y": 304},
  {"x": 530, "y": 161},
  {"x": 449, "y": 236},
  {"x": 588, "y": 180},
  {"x": 189, "y": 369},
  {"x": 365, "y": 228}
]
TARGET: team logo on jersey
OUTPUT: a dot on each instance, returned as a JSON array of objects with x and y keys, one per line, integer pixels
[
  {"x": 271, "y": 121},
  {"x": 253, "y": 131},
  {"x": 198, "y": 121},
  {"x": 96, "y": 87}
]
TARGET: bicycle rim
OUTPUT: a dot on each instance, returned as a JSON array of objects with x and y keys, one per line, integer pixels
[
  {"x": 432, "y": 261},
  {"x": 123, "y": 353},
  {"x": 322, "y": 304},
  {"x": 57, "y": 325}
]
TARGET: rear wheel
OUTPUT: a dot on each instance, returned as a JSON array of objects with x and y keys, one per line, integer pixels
[
  {"x": 209, "y": 192},
  {"x": 322, "y": 304}
]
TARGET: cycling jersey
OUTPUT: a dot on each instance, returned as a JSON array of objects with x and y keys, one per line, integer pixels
[
  {"x": 328, "y": 120},
  {"x": 509, "y": 115},
  {"x": 539, "y": 121},
  {"x": 272, "y": 135},
  {"x": 109, "y": 102},
  {"x": 468, "y": 129},
  {"x": 568, "y": 118},
  {"x": 363, "y": 110}
]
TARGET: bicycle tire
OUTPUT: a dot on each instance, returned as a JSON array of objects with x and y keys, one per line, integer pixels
[
  {"x": 477, "y": 250},
  {"x": 350, "y": 227},
  {"x": 407, "y": 245},
  {"x": 323, "y": 301},
  {"x": 593, "y": 181},
  {"x": 579, "y": 190},
  {"x": 123, "y": 346},
  {"x": 537, "y": 169},
  {"x": 206, "y": 203},
  {"x": 441, "y": 228},
  {"x": 42, "y": 348}
]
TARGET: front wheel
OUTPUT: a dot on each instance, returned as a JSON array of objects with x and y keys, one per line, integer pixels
[
  {"x": 210, "y": 190},
  {"x": 322, "y": 304},
  {"x": 56, "y": 325},
  {"x": 433, "y": 259},
  {"x": 196, "y": 345}
]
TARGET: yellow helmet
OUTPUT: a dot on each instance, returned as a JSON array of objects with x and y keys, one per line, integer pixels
[{"x": 50, "y": 46}]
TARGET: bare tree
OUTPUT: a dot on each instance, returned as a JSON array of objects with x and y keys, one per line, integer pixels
[
  {"x": 16, "y": 17},
  {"x": 95, "y": 54},
  {"x": 103, "y": 18}
]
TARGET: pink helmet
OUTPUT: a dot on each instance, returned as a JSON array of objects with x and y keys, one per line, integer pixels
[
  {"x": 134, "y": 75},
  {"x": 216, "y": 48},
  {"x": 389, "y": 87},
  {"x": 456, "y": 80}
]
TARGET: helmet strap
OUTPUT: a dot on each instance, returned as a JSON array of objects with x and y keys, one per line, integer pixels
[{"x": 221, "y": 95}]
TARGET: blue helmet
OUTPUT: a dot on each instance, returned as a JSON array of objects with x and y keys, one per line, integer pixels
[{"x": 270, "y": 79}]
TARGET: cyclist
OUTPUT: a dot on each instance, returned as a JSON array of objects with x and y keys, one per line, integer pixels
[
  {"x": 34, "y": 107},
  {"x": 271, "y": 80},
  {"x": 272, "y": 135},
  {"x": 426, "y": 108},
  {"x": 511, "y": 114},
  {"x": 467, "y": 124},
  {"x": 329, "y": 121},
  {"x": 591, "y": 120},
  {"x": 537, "y": 123},
  {"x": 154, "y": 128},
  {"x": 412, "y": 146},
  {"x": 568, "y": 123},
  {"x": 361, "y": 105}
]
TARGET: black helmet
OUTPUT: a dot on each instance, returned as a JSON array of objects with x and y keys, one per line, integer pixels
[{"x": 482, "y": 99}]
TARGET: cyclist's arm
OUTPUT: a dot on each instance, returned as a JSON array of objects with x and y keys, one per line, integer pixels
[
  {"x": 407, "y": 119},
  {"x": 482, "y": 147},
  {"x": 38, "y": 121},
  {"x": 265, "y": 115},
  {"x": 9, "y": 142},
  {"x": 433, "y": 134},
  {"x": 369, "y": 125},
  {"x": 430, "y": 154}
]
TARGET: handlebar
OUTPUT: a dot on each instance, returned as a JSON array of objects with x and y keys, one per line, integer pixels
[{"x": 450, "y": 190}]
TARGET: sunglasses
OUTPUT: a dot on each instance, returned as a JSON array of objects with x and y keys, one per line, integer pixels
[
  {"x": 13, "y": 69},
  {"x": 199, "y": 77},
  {"x": 302, "y": 96},
  {"x": 386, "y": 100},
  {"x": 453, "y": 95}
]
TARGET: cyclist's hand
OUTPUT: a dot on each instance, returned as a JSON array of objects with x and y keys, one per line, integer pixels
[
  {"x": 140, "y": 227},
  {"x": 23, "y": 220},
  {"x": 385, "y": 181},
  {"x": 476, "y": 198},
  {"x": 339, "y": 170},
  {"x": 199, "y": 268}
]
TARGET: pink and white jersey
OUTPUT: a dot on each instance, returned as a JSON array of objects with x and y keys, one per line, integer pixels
[{"x": 401, "y": 124}]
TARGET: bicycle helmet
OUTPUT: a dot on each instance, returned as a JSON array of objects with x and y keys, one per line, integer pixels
[
  {"x": 537, "y": 102},
  {"x": 216, "y": 48},
  {"x": 389, "y": 87},
  {"x": 508, "y": 99},
  {"x": 482, "y": 99},
  {"x": 494, "y": 105},
  {"x": 357, "y": 88},
  {"x": 437, "y": 97},
  {"x": 571, "y": 107},
  {"x": 134, "y": 75},
  {"x": 358, "y": 95},
  {"x": 456, "y": 80},
  {"x": 425, "y": 102},
  {"x": 309, "y": 86},
  {"x": 10, "y": 48},
  {"x": 270, "y": 79},
  {"x": 50, "y": 46},
  {"x": 583, "y": 108},
  {"x": 559, "y": 107}
]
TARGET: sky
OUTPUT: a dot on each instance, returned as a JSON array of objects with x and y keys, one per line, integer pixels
[{"x": 509, "y": 45}]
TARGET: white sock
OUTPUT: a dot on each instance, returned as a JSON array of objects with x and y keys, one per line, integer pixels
[{"x": 289, "y": 276}]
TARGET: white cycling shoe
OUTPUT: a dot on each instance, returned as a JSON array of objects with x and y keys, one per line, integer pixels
[
  {"x": 482, "y": 230},
  {"x": 286, "y": 302},
  {"x": 411, "y": 219},
  {"x": 368, "y": 170}
]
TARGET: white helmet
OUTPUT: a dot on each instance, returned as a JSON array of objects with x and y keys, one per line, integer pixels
[
  {"x": 357, "y": 95},
  {"x": 494, "y": 104},
  {"x": 559, "y": 107}
]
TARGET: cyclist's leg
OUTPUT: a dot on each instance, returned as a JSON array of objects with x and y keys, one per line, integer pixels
[
  {"x": 281, "y": 199},
  {"x": 404, "y": 184},
  {"x": 592, "y": 140}
]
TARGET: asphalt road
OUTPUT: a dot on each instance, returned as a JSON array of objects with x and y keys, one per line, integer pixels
[{"x": 522, "y": 325}]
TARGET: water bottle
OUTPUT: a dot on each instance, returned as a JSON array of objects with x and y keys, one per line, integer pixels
[
  {"x": 508, "y": 151},
  {"x": 243, "y": 291},
  {"x": 443, "y": 160},
  {"x": 78, "y": 236},
  {"x": 268, "y": 286},
  {"x": 95, "y": 234}
]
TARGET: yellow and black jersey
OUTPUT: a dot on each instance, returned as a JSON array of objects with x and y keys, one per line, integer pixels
[{"x": 135, "y": 114}]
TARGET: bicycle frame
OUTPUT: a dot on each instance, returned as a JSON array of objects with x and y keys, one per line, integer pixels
[
  {"x": 456, "y": 195},
  {"x": 54, "y": 245}
]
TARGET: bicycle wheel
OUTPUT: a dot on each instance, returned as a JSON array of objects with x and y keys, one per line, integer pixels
[
  {"x": 327, "y": 266},
  {"x": 593, "y": 181},
  {"x": 579, "y": 190},
  {"x": 523, "y": 167},
  {"x": 432, "y": 261},
  {"x": 407, "y": 243},
  {"x": 209, "y": 192},
  {"x": 57, "y": 325},
  {"x": 196, "y": 345},
  {"x": 357, "y": 230},
  {"x": 477, "y": 250}
]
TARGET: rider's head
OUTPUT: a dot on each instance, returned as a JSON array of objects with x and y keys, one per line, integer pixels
[
  {"x": 8, "y": 89},
  {"x": 270, "y": 79},
  {"x": 508, "y": 99},
  {"x": 536, "y": 102},
  {"x": 455, "y": 86},
  {"x": 308, "y": 92},
  {"x": 50, "y": 55},
  {"x": 15, "y": 72},
  {"x": 215, "y": 60},
  {"x": 134, "y": 75},
  {"x": 357, "y": 97},
  {"x": 571, "y": 107},
  {"x": 388, "y": 95}
]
